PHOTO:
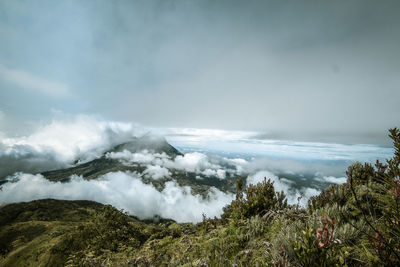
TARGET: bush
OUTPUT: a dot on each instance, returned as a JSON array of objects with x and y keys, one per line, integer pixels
[
  {"x": 111, "y": 229},
  {"x": 377, "y": 201},
  {"x": 107, "y": 230},
  {"x": 256, "y": 200}
]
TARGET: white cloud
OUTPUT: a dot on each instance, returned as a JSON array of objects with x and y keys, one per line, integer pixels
[
  {"x": 240, "y": 164},
  {"x": 143, "y": 157},
  {"x": 71, "y": 138},
  {"x": 160, "y": 164},
  {"x": 259, "y": 177},
  {"x": 192, "y": 162},
  {"x": 156, "y": 172},
  {"x": 60, "y": 143},
  {"x": 128, "y": 157},
  {"x": 124, "y": 191},
  {"x": 34, "y": 83},
  {"x": 209, "y": 172},
  {"x": 333, "y": 180},
  {"x": 221, "y": 174},
  {"x": 305, "y": 194}
]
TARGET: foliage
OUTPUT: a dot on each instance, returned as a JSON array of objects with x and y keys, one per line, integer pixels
[
  {"x": 379, "y": 207},
  {"x": 257, "y": 200}
]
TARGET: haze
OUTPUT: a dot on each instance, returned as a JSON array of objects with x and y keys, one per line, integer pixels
[{"x": 300, "y": 70}]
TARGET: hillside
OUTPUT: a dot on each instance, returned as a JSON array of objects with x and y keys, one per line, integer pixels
[{"x": 354, "y": 224}]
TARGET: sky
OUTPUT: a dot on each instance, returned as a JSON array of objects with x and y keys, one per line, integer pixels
[{"x": 321, "y": 71}]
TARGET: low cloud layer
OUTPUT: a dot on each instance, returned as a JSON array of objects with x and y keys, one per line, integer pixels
[
  {"x": 124, "y": 191},
  {"x": 159, "y": 163}
]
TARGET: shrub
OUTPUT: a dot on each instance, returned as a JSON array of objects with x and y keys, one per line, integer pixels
[
  {"x": 256, "y": 200},
  {"x": 107, "y": 230},
  {"x": 378, "y": 203},
  {"x": 111, "y": 229},
  {"x": 334, "y": 194}
]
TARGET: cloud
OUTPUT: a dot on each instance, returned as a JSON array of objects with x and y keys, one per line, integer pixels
[
  {"x": 34, "y": 83},
  {"x": 299, "y": 179},
  {"x": 190, "y": 162},
  {"x": 248, "y": 144},
  {"x": 127, "y": 157},
  {"x": 156, "y": 172},
  {"x": 60, "y": 143},
  {"x": 124, "y": 191},
  {"x": 333, "y": 180},
  {"x": 221, "y": 174}
]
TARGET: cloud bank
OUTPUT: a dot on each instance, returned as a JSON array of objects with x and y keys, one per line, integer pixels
[
  {"x": 61, "y": 143},
  {"x": 124, "y": 191},
  {"x": 159, "y": 163}
]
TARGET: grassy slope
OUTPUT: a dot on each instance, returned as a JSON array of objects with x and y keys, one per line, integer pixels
[
  {"x": 32, "y": 234},
  {"x": 29, "y": 230}
]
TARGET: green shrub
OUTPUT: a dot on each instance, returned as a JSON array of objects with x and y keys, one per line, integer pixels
[
  {"x": 377, "y": 202},
  {"x": 108, "y": 230},
  {"x": 256, "y": 200}
]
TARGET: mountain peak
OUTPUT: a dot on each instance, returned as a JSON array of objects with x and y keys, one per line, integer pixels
[
  {"x": 103, "y": 165},
  {"x": 152, "y": 143}
]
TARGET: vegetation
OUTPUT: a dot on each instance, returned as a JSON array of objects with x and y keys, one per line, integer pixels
[{"x": 354, "y": 224}]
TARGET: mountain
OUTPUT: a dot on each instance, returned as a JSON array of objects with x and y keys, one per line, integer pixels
[
  {"x": 154, "y": 144},
  {"x": 199, "y": 183},
  {"x": 95, "y": 168}
]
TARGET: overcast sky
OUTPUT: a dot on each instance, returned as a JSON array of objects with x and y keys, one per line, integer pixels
[{"x": 309, "y": 70}]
